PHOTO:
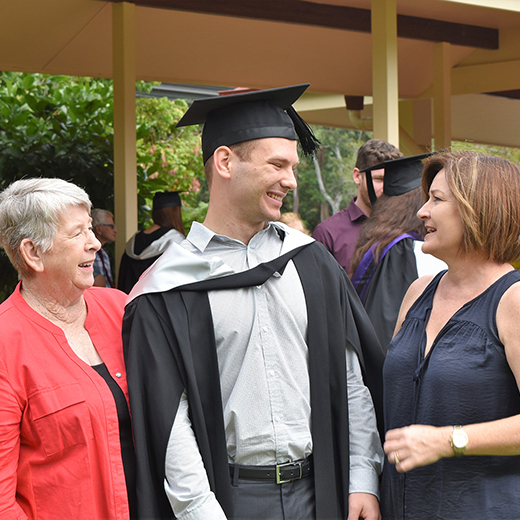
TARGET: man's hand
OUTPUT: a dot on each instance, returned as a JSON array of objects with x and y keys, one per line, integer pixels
[{"x": 363, "y": 505}]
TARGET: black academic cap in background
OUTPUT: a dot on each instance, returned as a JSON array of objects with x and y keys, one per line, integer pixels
[
  {"x": 235, "y": 118},
  {"x": 166, "y": 199},
  {"x": 402, "y": 175}
]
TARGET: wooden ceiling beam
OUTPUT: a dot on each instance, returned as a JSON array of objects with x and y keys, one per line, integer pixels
[
  {"x": 334, "y": 17},
  {"x": 499, "y": 77}
]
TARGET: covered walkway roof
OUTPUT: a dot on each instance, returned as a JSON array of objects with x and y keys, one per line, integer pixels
[{"x": 414, "y": 70}]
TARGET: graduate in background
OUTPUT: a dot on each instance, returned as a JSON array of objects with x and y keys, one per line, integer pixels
[
  {"x": 388, "y": 256},
  {"x": 146, "y": 246}
]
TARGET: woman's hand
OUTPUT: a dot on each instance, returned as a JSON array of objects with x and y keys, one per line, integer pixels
[{"x": 417, "y": 445}]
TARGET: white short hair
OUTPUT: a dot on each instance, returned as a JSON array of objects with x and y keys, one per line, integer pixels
[
  {"x": 31, "y": 208},
  {"x": 100, "y": 216}
]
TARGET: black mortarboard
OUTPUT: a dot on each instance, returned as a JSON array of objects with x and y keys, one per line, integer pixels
[
  {"x": 236, "y": 118},
  {"x": 166, "y": 199},
  {"x": 401, "y": 175}
]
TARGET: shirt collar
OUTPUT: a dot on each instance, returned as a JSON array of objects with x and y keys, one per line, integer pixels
[
  {"x": 354, "y": 211},
  {"x": 177, "y": 266},
  {"x": 200, "y": 236}
]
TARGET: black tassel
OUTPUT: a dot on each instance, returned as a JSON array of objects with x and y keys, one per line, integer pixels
[{"x": 309, "y": 143}]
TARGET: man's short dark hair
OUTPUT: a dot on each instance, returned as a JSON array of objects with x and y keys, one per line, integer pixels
[{"x": 376, "y": 151}]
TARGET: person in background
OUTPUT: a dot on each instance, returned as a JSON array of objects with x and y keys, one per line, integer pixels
[
  {"x": 66, "y": 448},
  {"x": 340, "y": 232},
  {"x": 243, "y": 344},
  {"x": 294, "y": 221},
  {"x": 388, "y": 256},
  {"x": 145, "y": 247},
  {"x": 105, "y": 231},
  {"x": 452, "y": 373}
]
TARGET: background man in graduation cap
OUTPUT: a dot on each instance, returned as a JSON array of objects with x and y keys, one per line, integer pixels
[
  {"x": 340, "y": 232},
  {"x": 243, "y": 345},
  {"x": 388, "y": 255}
]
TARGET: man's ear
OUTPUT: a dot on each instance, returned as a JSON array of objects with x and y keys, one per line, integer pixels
[
  {"x": 357, "y": 176},
  {"x": 32, "y": 255},
  {"x": 221, "y": 161}
]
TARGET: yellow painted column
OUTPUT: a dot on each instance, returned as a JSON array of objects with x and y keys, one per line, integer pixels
[
  {"x": 125, "y": 172},
  {"x": 442, "y": 95},
  {"x": 385, "y": 90}
]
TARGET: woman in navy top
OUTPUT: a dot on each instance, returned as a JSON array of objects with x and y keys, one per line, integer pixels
[{"x": 452, "y": 404}]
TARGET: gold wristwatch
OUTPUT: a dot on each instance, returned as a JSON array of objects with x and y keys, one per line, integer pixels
[{"x": 459, "y": 440}]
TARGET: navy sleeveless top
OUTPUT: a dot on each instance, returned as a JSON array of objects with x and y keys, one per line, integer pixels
[{"x": 464, "y": 379}]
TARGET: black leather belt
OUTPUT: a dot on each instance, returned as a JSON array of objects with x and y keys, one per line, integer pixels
[{"x": 281, "y": 473}]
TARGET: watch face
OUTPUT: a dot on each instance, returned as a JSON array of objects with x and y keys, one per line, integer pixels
[{"x": 459, "y": 440}]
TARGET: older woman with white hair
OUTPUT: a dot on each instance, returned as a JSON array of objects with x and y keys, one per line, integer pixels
[{"x": 66, "y": 447}]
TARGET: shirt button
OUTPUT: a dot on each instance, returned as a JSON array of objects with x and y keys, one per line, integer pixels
[{"x": 118, "y": 374}]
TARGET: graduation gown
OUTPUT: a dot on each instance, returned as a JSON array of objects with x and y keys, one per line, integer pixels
[
  {"x": 169, "y": 345},
  {"x": 382, "y": 286},
  {"x": 141, "y": 251}
]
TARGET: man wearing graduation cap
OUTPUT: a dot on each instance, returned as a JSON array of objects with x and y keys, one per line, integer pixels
[
  {"x": 243, "y": 345},
  {"x": 388, "y": 256},
  {"x": 145, "y": 247}
]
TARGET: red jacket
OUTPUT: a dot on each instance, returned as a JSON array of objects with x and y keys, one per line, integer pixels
[{"x": 60, "y": 453}]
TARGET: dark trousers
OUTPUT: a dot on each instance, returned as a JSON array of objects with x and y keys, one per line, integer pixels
[{"x": 257, "y": 500}]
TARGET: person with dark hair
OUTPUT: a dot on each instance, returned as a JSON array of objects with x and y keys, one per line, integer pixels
[
  {"x": 339, "y": 233},
  {"x": 146, "y": 246},
  {"x": 388, "y": 256},
  {"x": 452, "y": 373},
  {"x": 246, "y": 345},
  {"x": 66, "y": 440}
]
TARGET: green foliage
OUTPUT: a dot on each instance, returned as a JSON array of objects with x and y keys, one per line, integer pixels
[
  {"x": 512, "y": 154},
  {"x": 168, "y": 158},
  {"x": 57, "y": 126},
  {"x": 192, "y": 214}
]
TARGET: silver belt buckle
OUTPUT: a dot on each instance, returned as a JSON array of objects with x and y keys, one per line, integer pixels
[{"x": 279, "y": 466}]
